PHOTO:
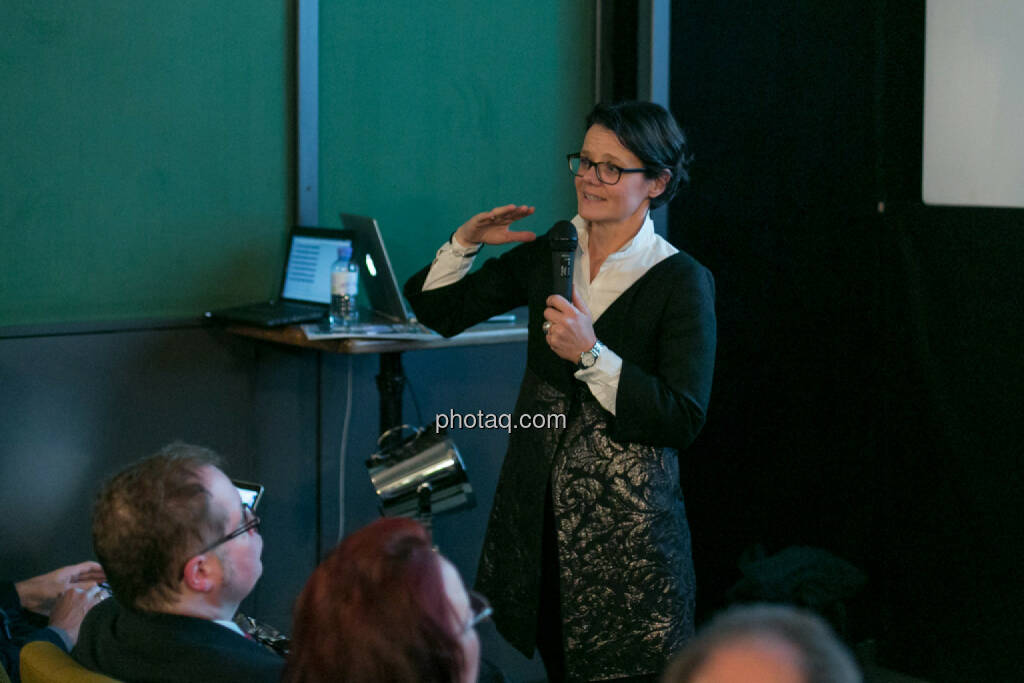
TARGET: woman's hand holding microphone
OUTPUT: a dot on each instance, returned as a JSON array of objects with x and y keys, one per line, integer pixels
[{"x": 568, "y": 327}]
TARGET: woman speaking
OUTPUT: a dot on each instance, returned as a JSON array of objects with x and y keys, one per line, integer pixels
[{"x": 587, "y": 551}]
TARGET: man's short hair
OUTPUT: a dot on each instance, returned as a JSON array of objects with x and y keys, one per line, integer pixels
[
  {"x": 823, "y": 657},
  {"x": 150, "y": 518}
]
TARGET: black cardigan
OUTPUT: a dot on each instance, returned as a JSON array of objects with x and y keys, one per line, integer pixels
[{"x": 663, "y": 327}]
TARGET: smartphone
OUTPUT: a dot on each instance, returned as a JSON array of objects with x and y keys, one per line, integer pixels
[{"x": 249, "y": 492}]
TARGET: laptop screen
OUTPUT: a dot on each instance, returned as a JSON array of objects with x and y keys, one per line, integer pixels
[
  {"x": 249, "y": 492},
  {"x": 307, "y": 275}
]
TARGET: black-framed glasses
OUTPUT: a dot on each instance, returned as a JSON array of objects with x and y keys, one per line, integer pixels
[
  {"x": 253, "y": 522},
  {"x": 481, "y": 609},
  {"x": 607, "y": 172},
  {"x": 250, "y": 521}
]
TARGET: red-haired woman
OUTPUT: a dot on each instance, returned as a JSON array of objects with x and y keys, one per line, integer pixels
[{"x": 384, "y": 606}]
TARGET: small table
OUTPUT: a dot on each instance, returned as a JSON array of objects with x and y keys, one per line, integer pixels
[{"x": 391, "y": 380}]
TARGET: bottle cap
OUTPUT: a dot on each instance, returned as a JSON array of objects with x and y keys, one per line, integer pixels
[{"x": 345, "y": 251}]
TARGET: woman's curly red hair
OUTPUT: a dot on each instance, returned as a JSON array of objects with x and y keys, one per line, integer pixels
[{"x": 376, "y": 610}]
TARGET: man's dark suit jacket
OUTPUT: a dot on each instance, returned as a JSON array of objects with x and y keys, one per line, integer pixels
[{"x": 161, "y": 648}]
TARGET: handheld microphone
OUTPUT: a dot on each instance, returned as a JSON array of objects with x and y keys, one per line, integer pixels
[{"x": 562, "y": 240}]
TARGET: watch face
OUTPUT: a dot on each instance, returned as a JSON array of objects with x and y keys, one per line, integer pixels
[{"x": 588, "y": 358}]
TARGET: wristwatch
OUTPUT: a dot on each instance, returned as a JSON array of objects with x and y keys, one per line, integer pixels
[{"x": 589, "y": 357}]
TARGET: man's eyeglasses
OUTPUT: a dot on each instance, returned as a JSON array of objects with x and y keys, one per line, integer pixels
[
  {"x": 481, "y": 609},
  {"x": 249, "y": 522},
  {"x": 607, "y": 172},
  {"x": 253, "y": 522}
]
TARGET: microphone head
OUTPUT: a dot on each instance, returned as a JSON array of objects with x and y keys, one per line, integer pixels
[{"x": 562, "y": 236}]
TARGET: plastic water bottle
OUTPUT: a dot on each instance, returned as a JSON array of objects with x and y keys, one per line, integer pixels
[{"x": 344, "y": 288}]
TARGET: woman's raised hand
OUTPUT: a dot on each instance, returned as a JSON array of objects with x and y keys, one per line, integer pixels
[{"x": 491, "y": 227}]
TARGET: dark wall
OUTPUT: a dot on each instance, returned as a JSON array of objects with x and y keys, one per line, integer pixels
[
  {"x": 75, "y": 408},
  {"x": 869, "y": 351}
]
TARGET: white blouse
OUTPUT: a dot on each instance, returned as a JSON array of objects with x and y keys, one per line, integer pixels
[{"x": 618, "y": 272}]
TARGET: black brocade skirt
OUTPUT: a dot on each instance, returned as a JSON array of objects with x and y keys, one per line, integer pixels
[{"x": 625, "y": 573}]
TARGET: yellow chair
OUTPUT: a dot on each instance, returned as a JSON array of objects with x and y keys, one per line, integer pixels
[{"x": 44, "y": 662}]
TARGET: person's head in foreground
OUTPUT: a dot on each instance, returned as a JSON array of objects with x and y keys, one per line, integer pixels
[
  {"x": 384, "y": 606},
  {"x": 173, "y": 536},
  {"x": 764, "y": 644}
]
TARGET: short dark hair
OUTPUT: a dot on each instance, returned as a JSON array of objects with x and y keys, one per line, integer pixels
[
  {"x": 376, "y": 610},
  {"x": 150, "y": 518},
  {"x": 823, "y": 657},
  {"x": 648, "y": 130}
]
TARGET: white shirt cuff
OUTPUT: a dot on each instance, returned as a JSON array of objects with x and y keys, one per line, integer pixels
[
  {"x": 603, "y": 378},
  {"x": 450, "y": 265},
  {"x": 68, "y": 643}
]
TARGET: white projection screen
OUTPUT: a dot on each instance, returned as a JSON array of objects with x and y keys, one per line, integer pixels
[{"x": 974, "y": 103}]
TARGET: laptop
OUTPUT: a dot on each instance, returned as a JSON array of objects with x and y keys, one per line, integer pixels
[
  {"x": 305, "y": 286},
  {"x": 250, "y": 492},
  {"x": 382, "y": 311},
  {"x": 388, "y": 315},
  {"x": 376, "y": 277}
]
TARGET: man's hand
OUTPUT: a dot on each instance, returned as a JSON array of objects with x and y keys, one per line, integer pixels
[
  {"x": 71, "y": 606},
  {"x": 39, "y": 593}
]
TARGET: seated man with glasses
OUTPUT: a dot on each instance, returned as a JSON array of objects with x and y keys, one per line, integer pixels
[{"x": 180, "y": 552}]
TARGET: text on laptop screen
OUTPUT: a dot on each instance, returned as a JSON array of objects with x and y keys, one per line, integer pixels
[{"x": 308, "y": 275}]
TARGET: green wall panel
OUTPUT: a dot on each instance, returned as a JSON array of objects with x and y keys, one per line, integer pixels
[
  {"x": 431, "y": 112},
  {"x": 145, "y": 163}
]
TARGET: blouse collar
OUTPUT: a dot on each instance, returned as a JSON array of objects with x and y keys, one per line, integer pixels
[{"x": 639, "y": 242}]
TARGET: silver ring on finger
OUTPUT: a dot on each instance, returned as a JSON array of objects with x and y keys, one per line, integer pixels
[{"x": 546, "y": 327}]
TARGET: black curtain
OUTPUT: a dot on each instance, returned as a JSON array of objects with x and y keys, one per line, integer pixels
[{"x": 870, "y": 348}]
